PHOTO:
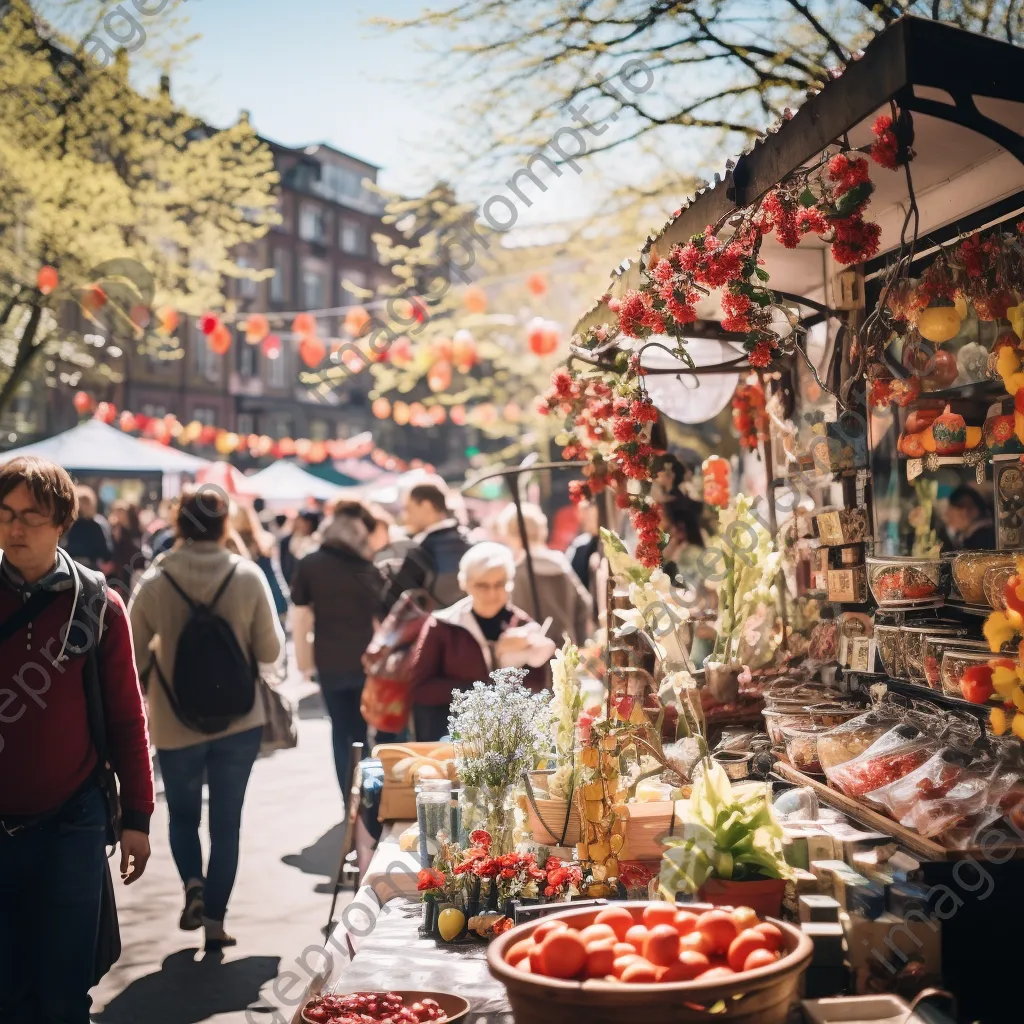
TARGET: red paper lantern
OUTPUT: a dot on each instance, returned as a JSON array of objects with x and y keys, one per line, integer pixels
[
  {"x": 474, "y": 298},
  {"x": 312, "y": 351},
  {"x": 208, "y": 323},
  {"x": 219, "y": 340},
  {"x": 439, "y": 377},
  {"x": 47, "y": 280},
  {"x": 257, "y": 327},
  {"x": 93, "y": 299},
  {"x": 286, "y": 446},
  {"x": 304, "y": 324},
  {"x": 106, "y": 411},
  {"x": 356, "y": 320},
  {"x": 208, "y": 435},
  {"x": 126, "y": 421},
  {"x": 420, "y": 311},
  {"x": 464, "y": 351},
  {"x": 381, "y": 408},
  {"x": 271, "y": 347},
  {"x": 537, "y": 284},
  {"x": 83, "y": 403},
  {"x": 542, "y": 336}
]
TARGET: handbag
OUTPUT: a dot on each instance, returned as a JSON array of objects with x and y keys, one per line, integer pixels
[{"x": 279, "y": 732}]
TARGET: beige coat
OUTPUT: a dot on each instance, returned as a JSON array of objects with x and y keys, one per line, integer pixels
[{"x": 158, "y": 615}]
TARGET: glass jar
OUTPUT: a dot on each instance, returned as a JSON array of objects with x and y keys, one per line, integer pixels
[
  {"x": 492, "y": 808},
  {"x": 433, "y": 815}
]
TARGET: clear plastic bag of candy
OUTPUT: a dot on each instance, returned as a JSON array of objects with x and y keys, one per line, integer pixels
[
  {"x": 847, "y": 740},
  {"x": 897, "y": 753}
]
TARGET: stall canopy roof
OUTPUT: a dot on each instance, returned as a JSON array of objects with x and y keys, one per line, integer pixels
[
  {"x": 94, "y": 447},
  {"x": 964, "y": 92},
  {"x": 285, "y": 481}
]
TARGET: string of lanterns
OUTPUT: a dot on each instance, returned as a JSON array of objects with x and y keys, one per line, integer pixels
[
  {"x": 169, "y": 429},
  {"x": 416, "y": 414}
]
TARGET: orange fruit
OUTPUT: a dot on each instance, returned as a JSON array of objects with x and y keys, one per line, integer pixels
[
  {"x": 619, "y": 919},
  {"x": 661, "y": 946},
  {"x": 563, "y": 954},
  {"x": 718, "y": 974},
  {"x": 690, "y": 965},
  {"x": 597, "y": 931},
  {"x": 640, "y": 973},
  {"x": 659, "y": 913},
  {"x": 519, "y": 951},
  {"x": 637, "y": 935},
  {"x": 600, "y": 960},
  {"x": 624, "y": 949},
  {"x": 546, "y": 927},
  {"x": 695, "y": 942},
  {"x": 743, "y": 945},
  {"x": 772, "y": 933},
  {"x": 685, "y": 922},
  {"x": 760, "y": 958},
  {"x": 718, "y": 927},
  {"x": 622, "y": 962},
  {"x": 745, "y": 917},
  {"x": 534, "y": 959}
]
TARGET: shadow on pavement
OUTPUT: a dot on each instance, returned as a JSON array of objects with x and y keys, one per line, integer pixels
[
  {"x": 322, "y": 857},
  {"x": 312, "y": 706},
  {"x": 188, "y": 991}
]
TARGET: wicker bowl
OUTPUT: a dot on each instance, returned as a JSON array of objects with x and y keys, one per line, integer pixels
[{"x": 763, "y": 996}]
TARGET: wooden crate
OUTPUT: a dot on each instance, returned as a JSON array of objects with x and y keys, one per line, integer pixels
[{"x": 398, "y": 799}]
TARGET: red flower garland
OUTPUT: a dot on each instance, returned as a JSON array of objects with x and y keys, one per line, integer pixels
[{"x": 749, "y": 415}]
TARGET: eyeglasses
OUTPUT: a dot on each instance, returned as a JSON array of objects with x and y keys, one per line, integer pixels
[{"x": 30, "y": 517}]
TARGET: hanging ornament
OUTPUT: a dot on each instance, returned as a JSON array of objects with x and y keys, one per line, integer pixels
[
  {"x": 312, "y": 351},
  {"x": 167, "y": 320},
  {"x": 271, "y": 346},
  {"x": 317, "y": 452},
  {"x": 458, "y": 415},
  {"x": 83, "y": 403},
  {"x": 400, "y": 413},
  {"x": 716, "y": 476},
  {"x": 950, "y": 433},
  {"x": 140, "y": 316},
  {"x": 419, "y": 310},
  {"x": 401, "y": 351},
  {"x": 106, "y": 412},
  {"x": 126, "y": 421},
  {"x": 356, "y": 320},
  {"x": 93, "y": 298},
  {"x": 353, "y": 360},
  {"x": 226, "y": 442},
  {"x": 257, "y": 327},
  {"x": 441, "y": 350},
  {"x": 464, "y": 353},
  {"x": 439, "y": 377},
  {"x": 542, "y": 336},
  {"x": 208, "y": 435},
  {"x": 208, "y": 323},
  {"x": 537, "y": 283},
  {"x": 438, "y": 415},
  {"x": 219, "y": 339},
  {"x": 302, "y": 447},
  {"x": 47, "y": 280},
  {"x": 304, "y": 325},
  {"x": 939, "y": 323},
  {"x": 474, "y": 298},
  {"x": 286, "y": 447},
  {"x": 381, "y": 408}
]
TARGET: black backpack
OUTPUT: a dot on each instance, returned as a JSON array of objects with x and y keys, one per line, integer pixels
[{"x": 214, "y": 682}]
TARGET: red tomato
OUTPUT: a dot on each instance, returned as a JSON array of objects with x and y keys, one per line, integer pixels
[
  {"x": 519, "y": 951},
  {"x": 637, "y": 935},
  {"x": 690, "y": 965},
  {"x": 696, "y": 942},
  {"x": 622, "y": 962},
  {"x": 597, "y": 931},
  {"x": 743, "y": 945},
  {"x": 976, "y": 684},
  {"x": 640, "y": 973},
  {"x": 619, "y": 919},
  {"x": 659, "y": 913},
  {"x": 534, "y": 959},
  {"x": 760, "y": 958},
  {"x": 563, "y": 954},
  {"x": 772, "y": 933},
  {"x": 745, "y": 917},
  {"x": 600, "y": 960},
  {"x": 718, "y": 974},
  {"x": 661, "y": 946},
  {"x": 718, "y": 928},
  {"x": 546, "y": 927},
  {"x": 686, "y": 922}
]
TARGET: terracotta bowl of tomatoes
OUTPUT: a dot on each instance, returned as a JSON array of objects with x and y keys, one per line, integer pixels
[
  {"x": 394, "y": 1007},
  {"x": 656, "y": 962}
]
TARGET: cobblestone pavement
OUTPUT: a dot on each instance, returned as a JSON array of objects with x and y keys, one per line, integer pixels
[{"x": 291, "y": 839}]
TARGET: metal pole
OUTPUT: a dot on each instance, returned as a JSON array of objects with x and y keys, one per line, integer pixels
[{"x": 526, "y": 549}]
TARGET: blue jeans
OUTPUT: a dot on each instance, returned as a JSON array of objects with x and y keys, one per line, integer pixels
[
  {"x": 51, "y": 879},
  {"x": 226, "y": 764}
]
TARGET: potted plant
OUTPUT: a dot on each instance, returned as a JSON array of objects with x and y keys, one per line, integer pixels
[
  {"x": 745, "y": 567},
  {"x": 730, "y": 850}
]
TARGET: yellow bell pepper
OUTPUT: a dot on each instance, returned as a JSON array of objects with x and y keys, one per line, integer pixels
[{"x": 999, "y": 630}]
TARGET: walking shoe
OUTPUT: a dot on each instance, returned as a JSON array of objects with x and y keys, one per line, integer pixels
[
  {"x": 216, "y": 937},
  {"x": 192, "y": 914}
]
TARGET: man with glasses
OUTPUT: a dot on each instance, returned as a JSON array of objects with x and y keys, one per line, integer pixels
[{"x": 72, "y": 733}]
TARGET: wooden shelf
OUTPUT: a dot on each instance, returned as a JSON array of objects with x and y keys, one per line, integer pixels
[{"x": 923, "y": 848}]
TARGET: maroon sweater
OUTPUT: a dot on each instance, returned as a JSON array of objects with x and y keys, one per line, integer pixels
[{"x": 46, "y": 752}]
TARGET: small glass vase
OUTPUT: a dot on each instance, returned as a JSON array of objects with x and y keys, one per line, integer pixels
[{"x": 492, "y": 808}]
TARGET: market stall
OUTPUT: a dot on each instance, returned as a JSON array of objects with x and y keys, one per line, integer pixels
[{"x": 284, "y": 482}]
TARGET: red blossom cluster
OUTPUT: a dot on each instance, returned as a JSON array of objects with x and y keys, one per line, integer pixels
[
  {"x": 646, "y": 521},
  {"x": 749, "y": 415},
  {"x": 855, "y": 239},
  {"x": 789, "y": 218},
  {"x": 561, "y": 877},
  {"x": 430, "y": 878},
  {"x": 885, "y": 150}
]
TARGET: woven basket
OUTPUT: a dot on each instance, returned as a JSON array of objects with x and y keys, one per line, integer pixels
[{"x": 763, "y": 996}]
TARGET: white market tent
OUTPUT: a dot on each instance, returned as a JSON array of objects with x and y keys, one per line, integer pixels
[
  {"x": 93, "y": 447},
  {"x": 286, "y": 482}
]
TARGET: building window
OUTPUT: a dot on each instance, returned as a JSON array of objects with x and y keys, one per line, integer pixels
[
  {"x": 319, "y": 430},
  {"x": 154, "y": 411},
  {"x": 276, "y": 370},
  {"x": 247, "y": 288},
  {"x": 314, "y": 291},
  {"x": 248, "y": 358},
  {"x": 280, "y": 425},
  {"x": 281, "y": 282},
  {"x": 312, "y": 223},
  {"x": 245, "y": 423},
  {"x": 205, "y": 361},
  {"x": 346, "y": 280},
  {"x": 354, "y": 238},
  {"x": 284, "y": 209},
  {"x": 207, "y": 417}
]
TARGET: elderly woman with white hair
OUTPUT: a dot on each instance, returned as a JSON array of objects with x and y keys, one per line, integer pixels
[
  {"x": 560, "y": 591},
  {"x": 483, "y": 632}
]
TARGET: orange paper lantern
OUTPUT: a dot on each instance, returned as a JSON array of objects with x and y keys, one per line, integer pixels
[
  {"x": 302, "y": 447},
  {"x": 441, "y": 350},
  {"x": 542, "y": 336},
  {"x": 439, "y": 377},
  {"x": 400, "y": 352},
  {"x": 356, "y": 320},
  {"x": 400, "y": 413},
  {"x": 93, "y": 299},
  {"x": 47, "y": 280},
  {"x": 464, "y": 351},
  {"x": 167, "y": 320},
  {"x": 474, "y": 298},
  {"x": 458, "y": 415},
  {"x": 257, "y": 327},
  {"x": 286, "y": 447},
  {"x": 126, "y": 421},
  {"x": 304, "y": 324},
  {"x": 271, "y": 347},
  {"x": 83, "y": 402},
  {"x": 381, "y": 408},
  {"x": 220, "y": 339},
  {"x": 537, "y": 284},
  {"x": 312, "y": 351},
  {"x": 106, "y": 411},
  {"x": 438, "y": 415},
  {"x": 317, "y": 452}
]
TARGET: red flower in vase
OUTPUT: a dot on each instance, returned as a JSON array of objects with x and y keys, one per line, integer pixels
[{"x": 429, "y": 878}]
